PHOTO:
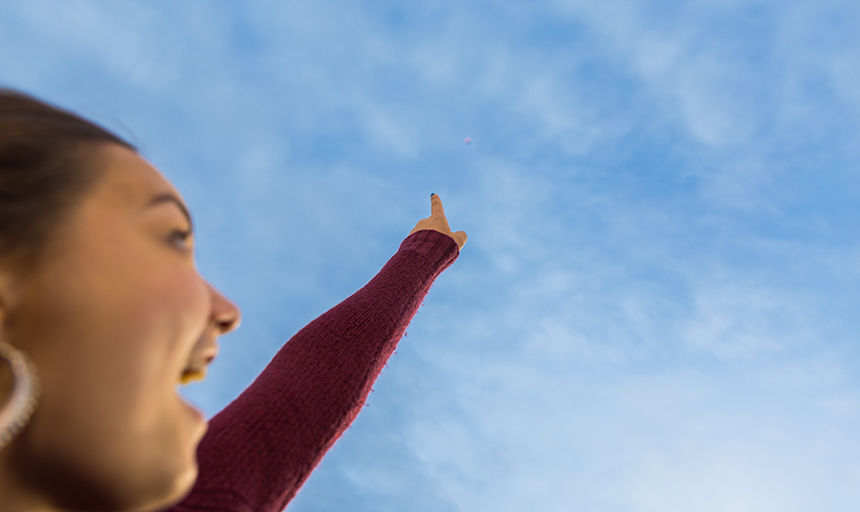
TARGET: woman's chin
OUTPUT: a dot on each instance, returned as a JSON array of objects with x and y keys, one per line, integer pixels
[
  {"x": 179, "y": 475},
  {"x": 184, "y": 484},
  {"x": 173, "y": 489}
]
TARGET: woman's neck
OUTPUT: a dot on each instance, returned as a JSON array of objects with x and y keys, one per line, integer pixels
[{"x": 15, "y": 497}]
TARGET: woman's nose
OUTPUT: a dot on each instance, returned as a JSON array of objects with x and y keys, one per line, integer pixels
[{"x": 225, "y": 314}]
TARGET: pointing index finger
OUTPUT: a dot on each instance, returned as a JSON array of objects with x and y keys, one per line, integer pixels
[{"x": 436, "y": 206}]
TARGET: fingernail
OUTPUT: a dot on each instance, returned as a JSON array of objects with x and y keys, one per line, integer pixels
[{"x": 432, "y": 194}]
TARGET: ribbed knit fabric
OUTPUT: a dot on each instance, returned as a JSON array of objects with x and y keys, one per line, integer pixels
[{"x": 262, "y": 447}]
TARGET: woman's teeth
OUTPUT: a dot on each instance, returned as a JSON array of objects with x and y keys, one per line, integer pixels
[{"x": 189, "y": 376}]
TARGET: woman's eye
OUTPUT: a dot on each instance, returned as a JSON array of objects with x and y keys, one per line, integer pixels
[{"x": 180, "y": 238}]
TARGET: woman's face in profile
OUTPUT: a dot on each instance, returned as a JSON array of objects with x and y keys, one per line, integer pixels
[{"x": 111, "y": 320}]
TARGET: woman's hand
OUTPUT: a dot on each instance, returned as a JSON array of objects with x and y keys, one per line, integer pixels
[{"x": 437, "y": 222}]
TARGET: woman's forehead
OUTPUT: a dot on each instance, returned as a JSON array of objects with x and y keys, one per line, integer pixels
[{"x": 129, "y": 180}]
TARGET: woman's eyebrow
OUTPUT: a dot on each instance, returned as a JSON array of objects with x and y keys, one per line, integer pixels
[{"x": 168, "y": 197}]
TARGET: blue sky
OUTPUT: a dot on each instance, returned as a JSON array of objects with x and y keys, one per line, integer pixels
[{"x": 656, "y": 308}]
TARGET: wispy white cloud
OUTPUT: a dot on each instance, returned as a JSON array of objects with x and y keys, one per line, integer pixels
[
  {"x": 714, "y": 79},
  {"x": 513, "y": 436},
  {"x": 132, "y": 40},
  {"x": 739, "y": 321}
]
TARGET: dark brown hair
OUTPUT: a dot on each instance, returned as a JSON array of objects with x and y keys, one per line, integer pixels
[{"x": 47, "y": 164}]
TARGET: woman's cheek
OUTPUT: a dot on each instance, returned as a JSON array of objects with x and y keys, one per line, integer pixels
[
  {"x": 187, "y": 302},
  {"x": 195, "y": 303}
]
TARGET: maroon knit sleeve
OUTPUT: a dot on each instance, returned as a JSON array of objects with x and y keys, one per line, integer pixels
[{"x": 262, "y": 447}]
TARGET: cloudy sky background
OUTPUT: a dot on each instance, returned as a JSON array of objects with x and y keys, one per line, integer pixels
[{"x": 657, "y": 306}]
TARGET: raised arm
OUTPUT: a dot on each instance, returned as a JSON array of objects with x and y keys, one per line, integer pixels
[{"x": 261, "y": 448}]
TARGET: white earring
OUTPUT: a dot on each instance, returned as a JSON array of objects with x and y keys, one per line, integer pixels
[{"x": 25, "y": 394}]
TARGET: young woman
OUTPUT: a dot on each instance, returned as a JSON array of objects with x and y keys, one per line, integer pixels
[{"x": 103, "y": 314}]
